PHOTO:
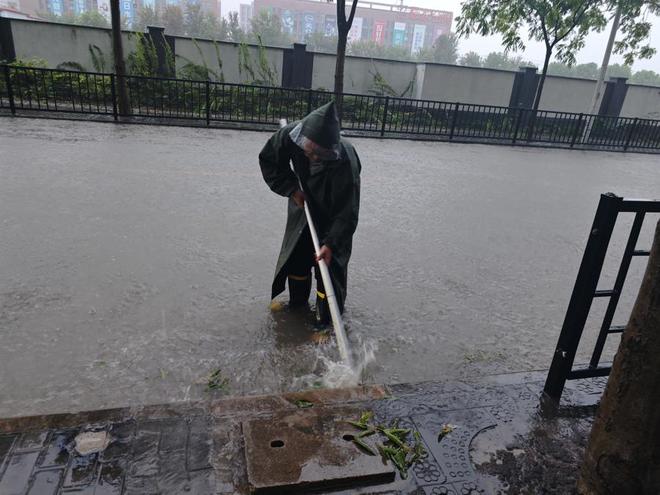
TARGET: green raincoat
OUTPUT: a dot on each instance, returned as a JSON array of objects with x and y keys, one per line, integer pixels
[{"x": 332, "y": 189}]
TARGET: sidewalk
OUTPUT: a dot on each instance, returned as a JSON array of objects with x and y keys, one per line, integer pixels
[{"x": 503, "y": 441}]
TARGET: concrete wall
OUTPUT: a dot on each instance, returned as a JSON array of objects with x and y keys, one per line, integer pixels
[
  {"x": 567, "y": 94},
  {"x": 467, "y": 84},
  {"x": 642, "y": 102},
  {"x": 229, "y": 54},
  {"x": 359, "y": 74},
  {"x": 57, "y": 43}
]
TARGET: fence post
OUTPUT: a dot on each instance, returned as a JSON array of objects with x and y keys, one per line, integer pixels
[
  {"x": 113, "y": 90},
  {"x": 630, "y": 133},
  {"x": 517, "y": 126},
  {"x": 453, "y": 121},
  {"x": 309, "y": 101},
  {"x": 387, "y": 104},
  {"x": 582, "y": 296},
  {"x": 576, "y": 133},
  {"x": 10, "y": 90},
  {"x": 208, "y": 103}
]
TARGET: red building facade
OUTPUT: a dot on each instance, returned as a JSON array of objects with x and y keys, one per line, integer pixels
[{"x": 413, "y": 28}]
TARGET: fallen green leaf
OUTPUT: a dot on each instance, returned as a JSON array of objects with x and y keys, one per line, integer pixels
[
  {"x": 363, "y": 446},
  {"x": 217, "y": 382}
]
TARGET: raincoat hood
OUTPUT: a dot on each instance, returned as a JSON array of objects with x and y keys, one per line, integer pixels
[{"x": 321, "y": 128}]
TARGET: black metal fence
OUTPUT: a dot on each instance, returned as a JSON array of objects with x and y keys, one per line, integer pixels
[
  {"x": 27, "y": 90},
  {"x": 585, "y": 290}
]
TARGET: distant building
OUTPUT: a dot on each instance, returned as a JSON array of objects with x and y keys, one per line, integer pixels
[
  {"x": 128, "y": 8},
  {"x": 386, "y": 24},
  {"x": 245, "y": 16}
]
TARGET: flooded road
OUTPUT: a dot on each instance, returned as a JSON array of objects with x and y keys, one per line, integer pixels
[{"x": 136, "y": 260}]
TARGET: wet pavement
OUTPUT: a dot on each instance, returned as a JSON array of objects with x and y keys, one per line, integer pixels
[
  {"x": 136, "y": 260},
  {"x": 504, "y": 440}
]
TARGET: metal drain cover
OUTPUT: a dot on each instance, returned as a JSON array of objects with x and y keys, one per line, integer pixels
[{"x": 308, "y": 450}]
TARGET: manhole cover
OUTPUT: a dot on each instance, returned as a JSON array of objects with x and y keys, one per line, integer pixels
[{"x": 309, "y": 450}]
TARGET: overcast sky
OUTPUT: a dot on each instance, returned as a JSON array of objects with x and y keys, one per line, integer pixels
[{"x": 592, "y": 52}]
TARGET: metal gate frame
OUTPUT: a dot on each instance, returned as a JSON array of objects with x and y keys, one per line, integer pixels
[{"x": 585, "y": 290}]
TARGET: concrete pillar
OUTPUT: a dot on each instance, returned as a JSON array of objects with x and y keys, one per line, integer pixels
[
  {"x": 163, "y": 44},
  {"x": 524, "y": 88},
  {"x": 297, "y": 67},
  {"x": 7, "y": 50},
  {"x": 613, "y": 97},
  {"x": 419, "y": 81}
]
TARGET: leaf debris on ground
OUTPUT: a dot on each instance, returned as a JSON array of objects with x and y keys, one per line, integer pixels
[
  {"x": 395, "y": 446},
  {"x": 217, "y": 381}
]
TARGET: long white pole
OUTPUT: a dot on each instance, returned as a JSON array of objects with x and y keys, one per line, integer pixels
[
  {"x": 335, "y": 314},
  {"x": 337, "y": 322},
  {"x": 598, "y": 91}
]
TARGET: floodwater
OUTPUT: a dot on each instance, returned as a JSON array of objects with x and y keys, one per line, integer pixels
[{"x": 136, "y": 260}]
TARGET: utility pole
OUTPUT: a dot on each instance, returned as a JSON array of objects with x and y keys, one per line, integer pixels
[
  {"x": 598, "y": 91},
  {"x": 118, "y": 52}
]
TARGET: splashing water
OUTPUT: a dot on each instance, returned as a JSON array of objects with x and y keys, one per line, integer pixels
[{"x": 331, "y": 373}]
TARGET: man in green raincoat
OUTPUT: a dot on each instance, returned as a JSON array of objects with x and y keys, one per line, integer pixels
[{"x": 328, "y": 169}]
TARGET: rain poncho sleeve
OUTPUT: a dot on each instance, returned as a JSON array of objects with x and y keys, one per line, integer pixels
[
  {"x": 274, "y": 162},
  {"x": 345, "y": 208}
]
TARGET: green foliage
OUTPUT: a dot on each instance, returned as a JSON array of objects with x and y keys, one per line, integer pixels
[
  {"x": 368, "y": 48},
  {"x": 319, "y": 42},
  {"x": 618, "y": 70},
  {"x": 144, "y": 60},
  {"x": 147, "y": 16},
  {"x": 172, "y": 20},
  {"x": 649, "y": 77},
  {"x": 93, "y": 18},
  {"x": 471, "y": 59},
  {"x": 90, "y": 18},
  {"x": 234, "y": 31},
  {"x": 262, "y": 73},
  {"x": 381, "y": 87},
  {"x": 71, "y": 65},
  {"x": 201, "y": 72},
  {"x": 444, "y": 50},
  {"x": 498, "y": 60},
  {"x": 267, "y": 28},
  {"x": 30, "y": 62},
  {"x": 636, "y": 29},
  {"x": 98, "y": 58}
]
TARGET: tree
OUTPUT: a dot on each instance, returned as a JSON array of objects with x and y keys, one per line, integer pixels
[
  {"x": 646, "y": 77},
  {"x": 194, "y": 19},
  {"x": 146, "y": 16},
  {"x": 562, "y": 25},
  {"x": 471, "y": 59},
  {"x": 588, "y": 71},
  {"x": 499, "y": 60},
  {"x": 118, "y": 53},
  {"x": 319, "y": 42},
  {"x": 268, "y": 27},
  {"x": 235, "y": 33},
  {"x": 172, "y": 20},
  {"x": 619, "y": 70},
  {"x": 93, "y": 18},
  {"x": 343, "y": 27},
  {"x": 368, "y": 48},
  {"x": 444, "y": 50},
  {"x": 623, "y": 453}
]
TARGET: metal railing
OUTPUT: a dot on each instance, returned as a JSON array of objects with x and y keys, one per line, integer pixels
[
  {"x": 585, "y": 290},
  {"x": 28, "y": 90}
]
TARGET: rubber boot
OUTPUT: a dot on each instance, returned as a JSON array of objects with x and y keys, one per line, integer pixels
[
  {"x": 299, "y": 288},
  {"x": 322, "y": 310}
]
